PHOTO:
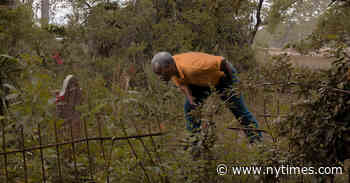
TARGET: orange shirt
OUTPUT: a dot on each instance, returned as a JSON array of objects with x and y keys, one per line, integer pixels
[{"x": 197, "y": 69}]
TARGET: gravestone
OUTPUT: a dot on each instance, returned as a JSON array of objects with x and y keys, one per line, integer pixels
[{"x": 69, "y": 97}]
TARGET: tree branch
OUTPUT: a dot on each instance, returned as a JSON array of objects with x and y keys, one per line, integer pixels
[{"x": 258, "y": 22}]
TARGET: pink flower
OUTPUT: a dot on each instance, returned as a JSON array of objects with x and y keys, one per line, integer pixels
[{"x": 57, "y": 58}]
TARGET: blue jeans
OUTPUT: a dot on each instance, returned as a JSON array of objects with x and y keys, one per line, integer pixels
[{"x": 235, "y": 103}]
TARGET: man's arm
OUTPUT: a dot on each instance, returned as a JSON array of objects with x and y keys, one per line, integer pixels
[
  {"x": 226, "y": 68},
  {"x": 188, "y": 93}
]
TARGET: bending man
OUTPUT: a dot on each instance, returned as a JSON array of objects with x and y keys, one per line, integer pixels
[{"x": 194, "y": 73}]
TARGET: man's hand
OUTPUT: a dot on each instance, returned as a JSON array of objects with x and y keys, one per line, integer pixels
[
  {"x": 191, "y": 99},
  {"x": 188, "y": 94},
  {"x": 193, "y": 104}
]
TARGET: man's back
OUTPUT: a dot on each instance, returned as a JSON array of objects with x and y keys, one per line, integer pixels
[{"x": 198, "y": 69}]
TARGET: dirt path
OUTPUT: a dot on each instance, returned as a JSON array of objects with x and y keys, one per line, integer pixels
[
  {"x": 312, "y": 61},
  {"x": 315, "y": 62}
]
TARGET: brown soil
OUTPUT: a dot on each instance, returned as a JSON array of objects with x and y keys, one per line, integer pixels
[{"x": 311, "y": 61}]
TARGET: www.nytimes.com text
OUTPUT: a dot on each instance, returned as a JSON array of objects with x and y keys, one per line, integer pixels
[{"x": 223, "y": 169}]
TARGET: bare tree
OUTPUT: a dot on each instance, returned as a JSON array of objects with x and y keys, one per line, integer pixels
[
  {"x": 258, "y": 21},
  {"x": 45, "y": 11}
]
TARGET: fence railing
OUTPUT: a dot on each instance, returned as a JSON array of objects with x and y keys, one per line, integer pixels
[
  {"x": 76, "y": 132},
  {"x": 58, "y": 145},
  {"x": 73, "y": 132}
]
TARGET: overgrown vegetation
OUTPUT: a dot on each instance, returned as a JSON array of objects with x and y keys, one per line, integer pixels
[{"x": 108, "y": 46}]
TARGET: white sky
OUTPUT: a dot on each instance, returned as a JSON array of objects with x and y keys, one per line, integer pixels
[
  {"x": 60, "y": 10},
  {"x": 60, "y": 17},
  {"x": 58, "y": 13}
]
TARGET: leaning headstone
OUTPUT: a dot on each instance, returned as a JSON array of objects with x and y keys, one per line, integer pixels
[{"x": 67, "y": 99}]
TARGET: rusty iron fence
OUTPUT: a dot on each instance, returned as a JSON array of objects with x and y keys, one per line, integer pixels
[
  {"x": 77, "y": 131},
  {"x": 72, "y": 132},
  {"x": 58, "y": 145}
]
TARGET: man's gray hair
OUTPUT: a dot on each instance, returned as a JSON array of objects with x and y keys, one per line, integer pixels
[{"x": 162, "y": 60}]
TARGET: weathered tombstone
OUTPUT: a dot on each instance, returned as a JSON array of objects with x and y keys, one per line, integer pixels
[{"x": 67, "y": 99}]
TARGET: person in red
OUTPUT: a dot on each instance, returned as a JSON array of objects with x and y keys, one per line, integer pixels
[{"x": 195, "y": 73}]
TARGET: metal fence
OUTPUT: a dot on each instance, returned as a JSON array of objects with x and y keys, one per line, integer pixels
[
  {"x": 77, "y": 131},
  {"x": 73, "y": 133},
  {"x": 58, "y": 145}
]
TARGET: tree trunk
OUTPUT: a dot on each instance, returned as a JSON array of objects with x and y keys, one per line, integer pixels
[
  {"x": 258, "y": 22},
  {"x": 45, "y": 11}
]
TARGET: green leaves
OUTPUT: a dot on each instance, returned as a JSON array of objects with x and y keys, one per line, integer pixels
[
  {"x": 318, "y": 130},
  {"x": 9, "y": 66}
]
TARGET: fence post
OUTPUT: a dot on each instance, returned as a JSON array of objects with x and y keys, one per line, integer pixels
[
  {"x": 4, "y": 149},
  {"x": 87, "y": 141},
  {"x": 24, "y": 157},
  {"x": 101, "y": 144},
  {"x": 136, "y": 157},
  {"x": 58, "y": 154},
  {"x": 109, "y": 160},
  {"x": 73, "y": 151},
  {"x": 41, "y": 155}
]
